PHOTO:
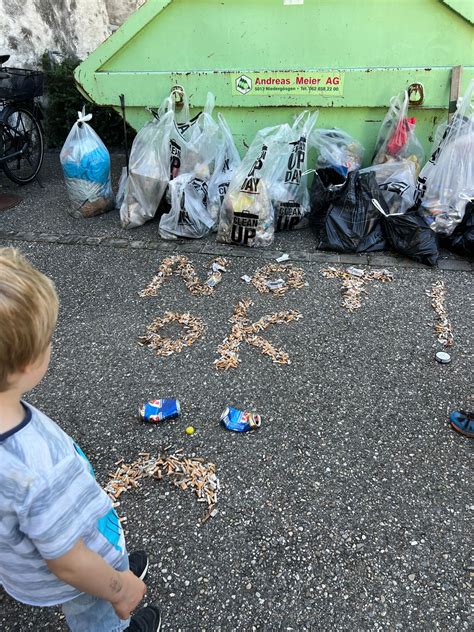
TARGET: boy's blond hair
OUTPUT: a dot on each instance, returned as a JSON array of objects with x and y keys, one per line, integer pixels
[{"x": 28, "y": 313}]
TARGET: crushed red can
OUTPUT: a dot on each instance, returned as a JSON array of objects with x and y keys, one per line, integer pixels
[
  {"x": 159, "y": 410},
  {"x": 240, "y": 420}
]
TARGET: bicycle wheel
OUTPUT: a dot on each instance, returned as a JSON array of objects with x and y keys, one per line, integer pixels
[{"x": 26, "y": 135}]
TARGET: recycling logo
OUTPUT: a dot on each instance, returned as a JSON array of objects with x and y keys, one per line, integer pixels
[{"x": 243, "y": 84}]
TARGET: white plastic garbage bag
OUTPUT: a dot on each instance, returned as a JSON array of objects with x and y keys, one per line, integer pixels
[{"x": 86, "y": 166}]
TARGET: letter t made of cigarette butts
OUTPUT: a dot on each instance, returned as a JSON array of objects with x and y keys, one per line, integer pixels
[{"x": 243, "y": 330}]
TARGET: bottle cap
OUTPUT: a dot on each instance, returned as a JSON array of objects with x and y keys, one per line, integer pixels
[{"x": 443, "y": 357}]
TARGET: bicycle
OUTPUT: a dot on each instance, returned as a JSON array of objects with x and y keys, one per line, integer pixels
[{"x": 21, "y": 131}]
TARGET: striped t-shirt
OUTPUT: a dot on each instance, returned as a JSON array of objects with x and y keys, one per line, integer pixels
[{"x": 49, "y": 499}]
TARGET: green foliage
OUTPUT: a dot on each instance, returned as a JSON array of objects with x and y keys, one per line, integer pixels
[{"x": 63, "y": 101}]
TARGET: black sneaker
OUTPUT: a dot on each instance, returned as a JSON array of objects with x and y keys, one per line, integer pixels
[
  {"x": 146, "y": 620},
  {"x": 138, "y": 562}
]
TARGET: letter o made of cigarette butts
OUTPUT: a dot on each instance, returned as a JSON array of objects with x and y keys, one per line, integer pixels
[
  {"x": 267, "y": 279},
  {"x": 193, "y": 328}
]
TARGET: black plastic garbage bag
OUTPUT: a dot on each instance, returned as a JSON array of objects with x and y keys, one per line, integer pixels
[
  {"x": 461, "y": 241},
  {"x": 343, "y": 214},
  {"x": 410, "y": 235},
  {"x": 326, "y": 186}
]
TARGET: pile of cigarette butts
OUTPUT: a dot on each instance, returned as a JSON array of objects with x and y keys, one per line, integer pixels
[
  {"x": 354, "y": 281},
  {"x": 193, "y": 329},
  {"x": 262, "y": 279},
  {"x": 185, "y": 472},
  {"x": 245, "y": 331},
  {"x": 443, "y": 329},
  {"x": 182, "y": 266}
]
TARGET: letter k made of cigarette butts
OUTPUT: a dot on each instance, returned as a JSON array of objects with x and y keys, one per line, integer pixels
[{"x": 245, "y": 331}]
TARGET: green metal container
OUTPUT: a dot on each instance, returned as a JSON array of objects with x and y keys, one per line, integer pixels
[{"x": 265, "y": 60}]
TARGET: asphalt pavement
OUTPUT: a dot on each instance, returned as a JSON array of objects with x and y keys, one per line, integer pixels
[{"x": 349, "y": 510}]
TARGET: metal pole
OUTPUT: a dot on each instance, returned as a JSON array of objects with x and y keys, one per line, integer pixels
[
  {"x": 455, "y": 90},
  {"x": 125, "y": 136}
]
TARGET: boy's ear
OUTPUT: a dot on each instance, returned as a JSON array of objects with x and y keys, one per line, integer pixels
[
  {"x": 31, "y": 367},
  {"x": 27, "y": 369}
]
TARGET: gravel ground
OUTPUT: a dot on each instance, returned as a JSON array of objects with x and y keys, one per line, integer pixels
[{"x": 348, "y": 510}]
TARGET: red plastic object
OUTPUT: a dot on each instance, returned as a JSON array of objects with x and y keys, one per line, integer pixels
[{"x": 399, "y": 138}]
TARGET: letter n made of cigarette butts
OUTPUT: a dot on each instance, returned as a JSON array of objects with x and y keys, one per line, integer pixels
[
  {"x": 181, "y": 265},
  {"x": 243, "y": 330}
]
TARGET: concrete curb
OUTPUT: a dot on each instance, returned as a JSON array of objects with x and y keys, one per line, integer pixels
[{"x": 379, "y": 260}]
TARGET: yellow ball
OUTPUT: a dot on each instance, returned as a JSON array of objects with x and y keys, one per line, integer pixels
[{"x": 190, "y": 430}]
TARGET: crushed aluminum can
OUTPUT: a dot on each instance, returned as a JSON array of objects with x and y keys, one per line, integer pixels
[
  {"x": 239, "y": 420},
  {"x": 282, "y": 258},
  {"x": 246, "y": 278},
  {"x": 159, "y": 410},
  {"x": 443, "y": 358}
]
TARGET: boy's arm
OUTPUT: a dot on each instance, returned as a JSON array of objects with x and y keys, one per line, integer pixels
[{"x": 88, "y": 572}]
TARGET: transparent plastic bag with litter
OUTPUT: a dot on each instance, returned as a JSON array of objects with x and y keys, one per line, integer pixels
[
  {"x": 337, "y": 150},
  {"x": 446, "y": 183},
  {"x": 397, "y": 139},
  {"x": 85, "y": 161},
  {"x": 397, "y": 182},
  {"x": 148, "y": 171},
  {"x": 247, "y": 217},
  {"x": 227, "y": 160},
  {"x": 193, "y": 141},
  {"x": 122, "y": 183},
  {"x": 188, "y": 216},
  {"x": 290, "y": 195}
]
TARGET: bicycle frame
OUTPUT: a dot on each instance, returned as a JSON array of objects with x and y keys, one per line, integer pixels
[
  {"x": 12, "y": 132},
  {"x": 21, "y": 147},
  {"x": 36, "y": 111}
]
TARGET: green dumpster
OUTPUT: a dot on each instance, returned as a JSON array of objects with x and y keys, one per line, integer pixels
[{"x": 265, "y": 60}]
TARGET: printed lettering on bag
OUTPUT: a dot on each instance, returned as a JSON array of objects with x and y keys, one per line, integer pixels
[
  {"x": 435, "y": 155},
  {"x": 222, "y": 190},
  {"x": 183, "y": 127},
  {"x": 295, "y": 161},
  {"x": 395, "y": 187},
  {"x": 420, "y": 190},
  {"x": 175, "y": 159},
  {"x": 250, "y": 184},
  {"x": 244, "y": 227},
  {"x": 201, "y": 189},
  {"x": 305, "y": 82},
  {"x": 183, "y": 214},
  {"x": 289, "y": 215}
]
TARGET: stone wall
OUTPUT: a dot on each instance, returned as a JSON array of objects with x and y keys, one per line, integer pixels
[
  {"x": 119, "y": 10},
  {"x": 30, "y": 27}
]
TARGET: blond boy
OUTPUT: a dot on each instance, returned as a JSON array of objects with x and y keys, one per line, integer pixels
[{"x": 60, "y": 539}]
